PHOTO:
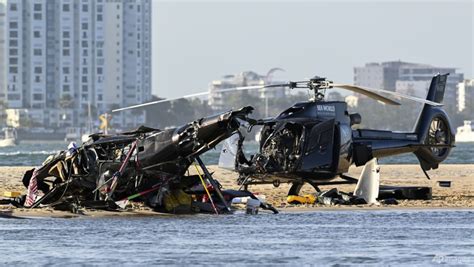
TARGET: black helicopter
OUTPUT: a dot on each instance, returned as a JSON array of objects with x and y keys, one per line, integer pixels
[
  {"x": 313, "y": 142},
  {"x": 148, "y": 165},
  {"x": 310, "y": 142}
]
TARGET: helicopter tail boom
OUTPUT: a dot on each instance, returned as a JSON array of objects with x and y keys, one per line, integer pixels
[
  {"x": 435, "y": 133},
  {"x": 431, "y": 140}
]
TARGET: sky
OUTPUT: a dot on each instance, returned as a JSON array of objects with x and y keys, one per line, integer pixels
[{"x": 195, "y": 42}]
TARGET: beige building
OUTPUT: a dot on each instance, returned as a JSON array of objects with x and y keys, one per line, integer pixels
[
  {"x": 466, "y": 95},
  {"x": 217, "y": 95},
  {"x": 409, "y": 76}
]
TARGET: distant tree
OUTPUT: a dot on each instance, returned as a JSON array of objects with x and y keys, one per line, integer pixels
[
  {"x": 183, "y": 111},
  {"x": 159, "y": 115},
  {"x": 201, "y": 108}
]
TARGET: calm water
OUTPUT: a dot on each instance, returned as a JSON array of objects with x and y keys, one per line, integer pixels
[
  {"x": 33, "y": 154},
  {"x": 321, "y": 238}
]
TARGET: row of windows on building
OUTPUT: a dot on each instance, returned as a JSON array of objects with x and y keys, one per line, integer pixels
[
  {"x": 40, "y": 97},
  {"x": 36, "y": 7},
  {"x": 37, "y": 34},
  {"x": 39, "y": 52},
  {"x": 38, "y": 70},
  {"x": 67, "y": 7},
  {"x": 84, "y": 79},
  {"x": 66, "y": 34},
  {"x": 84, "y": 96}
]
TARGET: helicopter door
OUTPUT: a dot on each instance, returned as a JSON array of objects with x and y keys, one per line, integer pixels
[
  {"x": 228, "y": 156},
  {"x": 319, "y": 150}
]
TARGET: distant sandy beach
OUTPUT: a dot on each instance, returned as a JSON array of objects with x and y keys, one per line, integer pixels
[{"x": 459, "y": 196}]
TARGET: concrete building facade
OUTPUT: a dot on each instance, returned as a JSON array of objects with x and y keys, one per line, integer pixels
[
  {"x": 408, "y": 78},
  {"x": 379, "y": 75},
  {"x": 466, "y": 96},
  {"x": 64, "y": 56},
  {"x": 2, "y": 51},
  {"x": 217, "y": 98}
]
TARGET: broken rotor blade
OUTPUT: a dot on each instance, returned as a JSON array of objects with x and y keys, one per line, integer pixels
[
  {"x": 232, "y": 89},
  {"x": 159, "y": 101},
  {"x": 375, "y": 93}
]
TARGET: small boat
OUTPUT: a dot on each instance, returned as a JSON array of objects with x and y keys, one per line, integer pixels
[
  {"x": 465, "y": 133},
  {"x": 10, "y": 137}
]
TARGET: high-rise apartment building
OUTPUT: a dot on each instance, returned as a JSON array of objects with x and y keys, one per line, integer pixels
[
  {"x": 62, "y": 56},
  {"x": 2, "y": 52}
]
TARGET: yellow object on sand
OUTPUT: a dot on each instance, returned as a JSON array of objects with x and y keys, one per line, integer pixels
[
  {"x": 177, "y": 199},
  {"x": 306, "y": 199},
  {"x": 11, "y": 194}
]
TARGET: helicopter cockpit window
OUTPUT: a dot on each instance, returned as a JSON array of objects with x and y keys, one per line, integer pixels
[{"x": 321, "y": 135}]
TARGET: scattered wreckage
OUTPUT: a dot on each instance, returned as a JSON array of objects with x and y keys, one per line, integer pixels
[{"x": 146, "y": 165}]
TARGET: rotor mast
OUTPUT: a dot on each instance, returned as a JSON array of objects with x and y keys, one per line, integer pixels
[{"x": 315, "y": 84}]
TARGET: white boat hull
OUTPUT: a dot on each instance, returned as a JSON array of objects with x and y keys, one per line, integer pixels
[
  {"x": 462, "y": 138},
  {"x": 465, "y": 133},
  {"x": 7, "y": 142}
]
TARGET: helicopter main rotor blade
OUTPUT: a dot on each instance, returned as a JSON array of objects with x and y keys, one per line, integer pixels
[
  {"x": 374, "y": 93},
  {"x": 278, "y": 85},
  {"x": 368, "y": 93},
  {"x": 305, "y": 84},
  {"x": 233, "y": 89},
  {"x": 159, "y": 101}
]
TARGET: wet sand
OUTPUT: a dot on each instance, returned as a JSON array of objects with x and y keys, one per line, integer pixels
[{"x": 459, "y": 195}]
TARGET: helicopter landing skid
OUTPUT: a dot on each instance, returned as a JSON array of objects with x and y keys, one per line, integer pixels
[{"x": 297, "y": 185}]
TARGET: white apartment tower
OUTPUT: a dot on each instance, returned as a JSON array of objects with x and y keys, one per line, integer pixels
[
  {"x": 63, "y": 56},
  {"x": 3, "y": 64}
]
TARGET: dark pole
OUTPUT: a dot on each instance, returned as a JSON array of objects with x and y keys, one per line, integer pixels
[{"x": 212, "y": 182}]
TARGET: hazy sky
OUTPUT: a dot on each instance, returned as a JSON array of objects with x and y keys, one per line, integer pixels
[{"x": 195, "y": 42}]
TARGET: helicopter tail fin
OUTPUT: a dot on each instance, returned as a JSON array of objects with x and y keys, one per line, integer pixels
[
  {"x": 435, "y": 133},
  {"x": 437, "y": 88}
]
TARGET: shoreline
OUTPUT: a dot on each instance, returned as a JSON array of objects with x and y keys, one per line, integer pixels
[
  {"x": 38, "y": 214},
  {"x": 460, "y": 196}
]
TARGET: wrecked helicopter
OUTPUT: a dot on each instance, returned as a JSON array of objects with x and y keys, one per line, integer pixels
[
  {"x": 146, "y": 165},
  {"x": 311, "y": 142},
  {"x": 315, "y": 141}
]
